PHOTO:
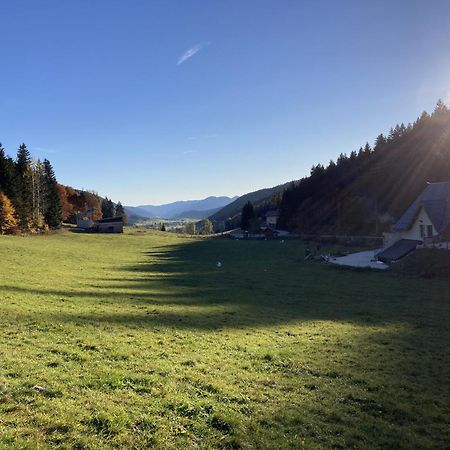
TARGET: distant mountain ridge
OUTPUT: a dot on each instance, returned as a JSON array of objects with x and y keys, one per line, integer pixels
[
  {"x": 195, "y": 214},
  {"x": 181, "y": 209}
]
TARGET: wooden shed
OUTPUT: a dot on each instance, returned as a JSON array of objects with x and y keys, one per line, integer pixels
[{"x": 109, "y": 225}]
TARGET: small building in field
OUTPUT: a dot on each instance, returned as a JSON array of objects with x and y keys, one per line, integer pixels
[
  {"x": 427, "y": 219},
  {"x": 109, "y": 225},
  {"x": 272, "y": 218}
]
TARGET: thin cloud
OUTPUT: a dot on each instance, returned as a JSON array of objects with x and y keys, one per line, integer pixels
[
  {"x": 204, "y": 136},
  {"x": 191, "y": 52}
]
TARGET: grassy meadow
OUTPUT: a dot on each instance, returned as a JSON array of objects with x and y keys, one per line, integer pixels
[{"x": 140, "y": 341}]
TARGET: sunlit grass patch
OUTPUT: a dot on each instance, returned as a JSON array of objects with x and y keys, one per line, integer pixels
[{"x": 141, "y": 341}]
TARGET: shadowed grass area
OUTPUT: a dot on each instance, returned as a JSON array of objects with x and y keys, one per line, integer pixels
[{"x": 140, "y": 340}]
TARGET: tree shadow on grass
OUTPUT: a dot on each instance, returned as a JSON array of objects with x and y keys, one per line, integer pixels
[
  {"x": 258, "y": 284},
  {"x": 265, "y": 284}
]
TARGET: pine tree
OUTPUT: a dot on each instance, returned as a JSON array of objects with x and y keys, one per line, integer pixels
[
  {"x": 247, "y": 216},
  {"x": 380, "y": 142},
  {"x": 53, "y": 210},
  {"x": 7, "y": 175},
  {"x": 440, "y": 108},
  {"x": 24, "y": 198},
  {"x": 105, "y": 207},
  {"x": 8, "y": 221},
  {"x": 120, "y": 212},
  {"x": 367, "y": 150},
  {"x": 108, "y": 209}
]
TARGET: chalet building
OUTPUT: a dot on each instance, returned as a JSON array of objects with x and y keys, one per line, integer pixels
[
  {"x": 427, "y": 219},
  {"x": 272, "y": 218},
  {"x": 109, "y": 225}
]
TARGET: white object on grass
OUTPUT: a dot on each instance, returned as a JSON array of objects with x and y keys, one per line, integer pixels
[{"x": 219, "y": 264}]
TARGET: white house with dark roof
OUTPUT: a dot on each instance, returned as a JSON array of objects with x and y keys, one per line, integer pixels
[
  {"x": 426, "y": 219},
  {"x": 272, "y": 218}
]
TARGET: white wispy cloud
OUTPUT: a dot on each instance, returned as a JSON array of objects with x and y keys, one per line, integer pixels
[
  {"x": 189, "y": 53},
  {"x": 203, "y": 136}
]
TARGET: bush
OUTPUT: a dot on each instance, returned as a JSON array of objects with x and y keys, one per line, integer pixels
[{"x": 425, "y": 263}]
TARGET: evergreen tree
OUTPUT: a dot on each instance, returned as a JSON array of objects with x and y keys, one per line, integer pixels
[
  {"x": 7, "y": 175},
  {"x": 440, "y": 108},
  {"x": 8, "y": 221},
  {"x": 108, "y": 209},
  {"x": 120, "y": 212},
  {"x": 380, "y": 142},
  {"x": 367, "y": 150},
  {"x": 53, "y": 210},
  {"x": 23, "y": 160},
  {"x": 163, "y": 227},
  {"x": 247, "y": 216},
  {"x": 105, "y": 207},
  {"x": 24, "y": 198}
]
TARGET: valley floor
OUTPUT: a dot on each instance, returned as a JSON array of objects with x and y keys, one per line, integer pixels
[{"x": 140, "y": 340}]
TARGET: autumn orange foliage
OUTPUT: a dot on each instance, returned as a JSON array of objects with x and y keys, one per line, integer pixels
[{"x": 8, "y": 221}]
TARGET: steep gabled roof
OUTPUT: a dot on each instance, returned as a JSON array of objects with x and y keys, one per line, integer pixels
[
  {"x": 273, "y": 213},
  {"x": 110, "y": 220},
  {"x": 397, "y": 251},
  {"x": 435, "y": 200}
]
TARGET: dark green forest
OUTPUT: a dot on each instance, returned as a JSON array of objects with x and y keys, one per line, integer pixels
[
  {"x": 364, "y": 192},
  {"x": 30, "y": 198}
]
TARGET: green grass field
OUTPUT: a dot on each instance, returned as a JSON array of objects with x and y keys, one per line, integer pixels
[{"x": 140, "y": 341}]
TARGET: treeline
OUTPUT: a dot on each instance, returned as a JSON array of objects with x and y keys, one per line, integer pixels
[
  {"x": 31, "y": 200},
  {"x": 29, "y": 196},
  {"x": 364, "y": 192},
  {"x": 82, "y": 204}
]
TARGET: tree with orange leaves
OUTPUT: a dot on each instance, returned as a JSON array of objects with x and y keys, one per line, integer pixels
[{"x": 8, "y": 221}]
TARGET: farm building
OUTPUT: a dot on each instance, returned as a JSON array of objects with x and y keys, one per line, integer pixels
[
  {"x": 427, "y": 219},
  {"x": 109, "y": 225},
  {"x": 272, "y": 218}
]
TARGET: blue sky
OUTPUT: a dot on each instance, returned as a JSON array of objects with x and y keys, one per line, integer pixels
[{"x": 156, "y": 101}]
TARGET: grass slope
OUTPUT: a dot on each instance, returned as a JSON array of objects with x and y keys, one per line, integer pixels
[{"x": 140, "y": 341}]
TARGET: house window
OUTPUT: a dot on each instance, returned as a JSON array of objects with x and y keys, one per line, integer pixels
[
  {"x": 429, "y": 230},
  {"x": 422, "y": 231}
]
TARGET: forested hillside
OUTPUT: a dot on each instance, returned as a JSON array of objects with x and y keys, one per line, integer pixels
[
  {"x": 262, "y": 199},
  {"x": 362, "y": 193},
  {"x": 32, "y": 200}
]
